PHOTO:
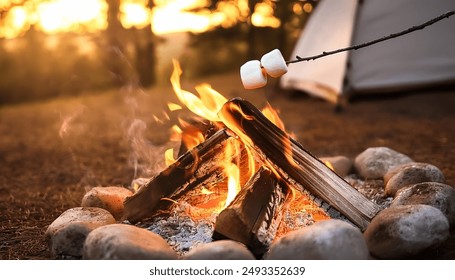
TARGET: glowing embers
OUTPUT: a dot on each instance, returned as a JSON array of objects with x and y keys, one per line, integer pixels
[{"x": 301, "y": 210}]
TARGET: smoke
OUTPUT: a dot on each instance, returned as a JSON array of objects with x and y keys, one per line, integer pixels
[
  {"x": 146, "y": 158},
  {"x": 67, "y": 121},
  {"x": 70, "y": 132}
]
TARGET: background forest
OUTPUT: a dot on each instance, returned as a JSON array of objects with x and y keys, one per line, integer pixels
[{"x": 51, "y": 48}]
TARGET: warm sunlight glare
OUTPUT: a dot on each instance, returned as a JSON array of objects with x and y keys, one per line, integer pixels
[
  {"x": 172, "y": 17},
  {"x": 308, "y": 8},
  {"x": 227, "y": 15},
  {"x": 14, "y": 23},
  {"x": 167, "y": 16},
  {"x": 69, "y": 15},
  {"x": 134, "y": 15},
  {"x": 263, "y": 15}
]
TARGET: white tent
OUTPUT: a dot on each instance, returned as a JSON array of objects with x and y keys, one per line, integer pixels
[{"x": 423, "y": 58}]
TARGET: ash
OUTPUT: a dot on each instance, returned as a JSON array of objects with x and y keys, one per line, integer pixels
[
  {"x": 299, "y": 220},
  {"x": 371, "y": 189},
  {"x": 181, "y": 231}
]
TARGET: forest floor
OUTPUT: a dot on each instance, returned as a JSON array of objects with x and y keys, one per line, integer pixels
[{"x": 52, "y": 152}]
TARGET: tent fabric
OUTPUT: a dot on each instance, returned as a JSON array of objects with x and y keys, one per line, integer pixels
[
  {"x": 422, "y": 58},
  {"x": 329, "y": 27}
]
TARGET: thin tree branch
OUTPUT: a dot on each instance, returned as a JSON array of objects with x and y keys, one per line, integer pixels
[{"x": 394, "y": 35}]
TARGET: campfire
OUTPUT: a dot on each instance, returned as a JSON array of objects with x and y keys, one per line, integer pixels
[
  {"x": 239, "y": 178},
  {"x": 239, "y": 169},
  {"x": 240, "y": 163}
]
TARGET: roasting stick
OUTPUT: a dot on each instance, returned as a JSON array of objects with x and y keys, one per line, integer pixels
[{"x": 372, "y": 42}]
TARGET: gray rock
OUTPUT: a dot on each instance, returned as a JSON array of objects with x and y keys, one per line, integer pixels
[
  {"x": 374, "y": 163},
  {"x": 410, "y": 174},
  {"x": 330, "y": 239},
  {"x": 405, "y": 230},
  {"x": 109, "y": 198},
  {"x": 438, "y": 195},
  {"x": 66, "y": 235},
  {"x": 126, "y": 242},
  {"x": 341, "y": 165},
  {"x": 220, "y": 250}
]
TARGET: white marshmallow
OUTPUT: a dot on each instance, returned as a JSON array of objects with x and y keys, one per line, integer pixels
[
  {"x": 252, "y": 75},
  {"x": 274, "y": 63}
]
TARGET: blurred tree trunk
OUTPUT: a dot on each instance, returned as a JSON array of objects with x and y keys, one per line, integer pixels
[
  {"x": 139, "y": 66},
  {"x": 252, "y": 32},
  {"x": 283, "y": 12},
  {"x": 146, "y": 55},
  {"x": 115, "y": 47}
]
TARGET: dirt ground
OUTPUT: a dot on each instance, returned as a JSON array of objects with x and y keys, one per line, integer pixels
[{"x": 52, "y": 152}]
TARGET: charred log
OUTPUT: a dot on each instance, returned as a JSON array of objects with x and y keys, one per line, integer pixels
[
  {"x": 294, "y": 164},
  {"x": 254, "y": 215},
  {"x": 196, "y": 167}
]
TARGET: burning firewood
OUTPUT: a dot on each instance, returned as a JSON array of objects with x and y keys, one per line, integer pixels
[
  {"x": 192, "y": 169},
  {"x": 254, "y": 215},
  {"x": 196, "y": 126},
  {"x": 294, "y": 164}
]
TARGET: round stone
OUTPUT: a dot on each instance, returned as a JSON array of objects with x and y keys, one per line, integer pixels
[
  {"x": 325, "y": 240},
  {"x": 220, "y": 250},
  {"x": 410, "y": 174},
  {"x": 67, "y": 233},
  {"x": 438, "y": 195},
  {"x": 374, "y": 163},
  {"x": 126, "y": 242},
  {"x": 109, "y": 198},
  {"x": 405, "y": 230}
]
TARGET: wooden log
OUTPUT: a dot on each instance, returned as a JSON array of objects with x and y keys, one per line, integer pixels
[
  {"x": 194, "y": 168},
  {"x": 295, "y": 164},
  {"x": 193, "y": 126},
  {"x": 253, "y": 216}
]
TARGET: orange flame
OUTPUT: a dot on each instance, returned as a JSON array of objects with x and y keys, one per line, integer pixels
[
  {"x": 169, "y": 156},
  {"x": 206, "y": 105},
  {"x": 191, "y": 136},
  {"x": 176, "y": 133},
  {"x": 209, "y": 103},
  {"x": 272, "y": 115},
  {"x": 329, "y": 165},
  {"x": 232, "y": 171},
  {"x": 173, "y": 107}
]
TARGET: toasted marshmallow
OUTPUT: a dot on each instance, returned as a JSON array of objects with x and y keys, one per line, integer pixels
[
  {"x": 274, "y": 63},
  {"x": 252, "y": 75}
]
